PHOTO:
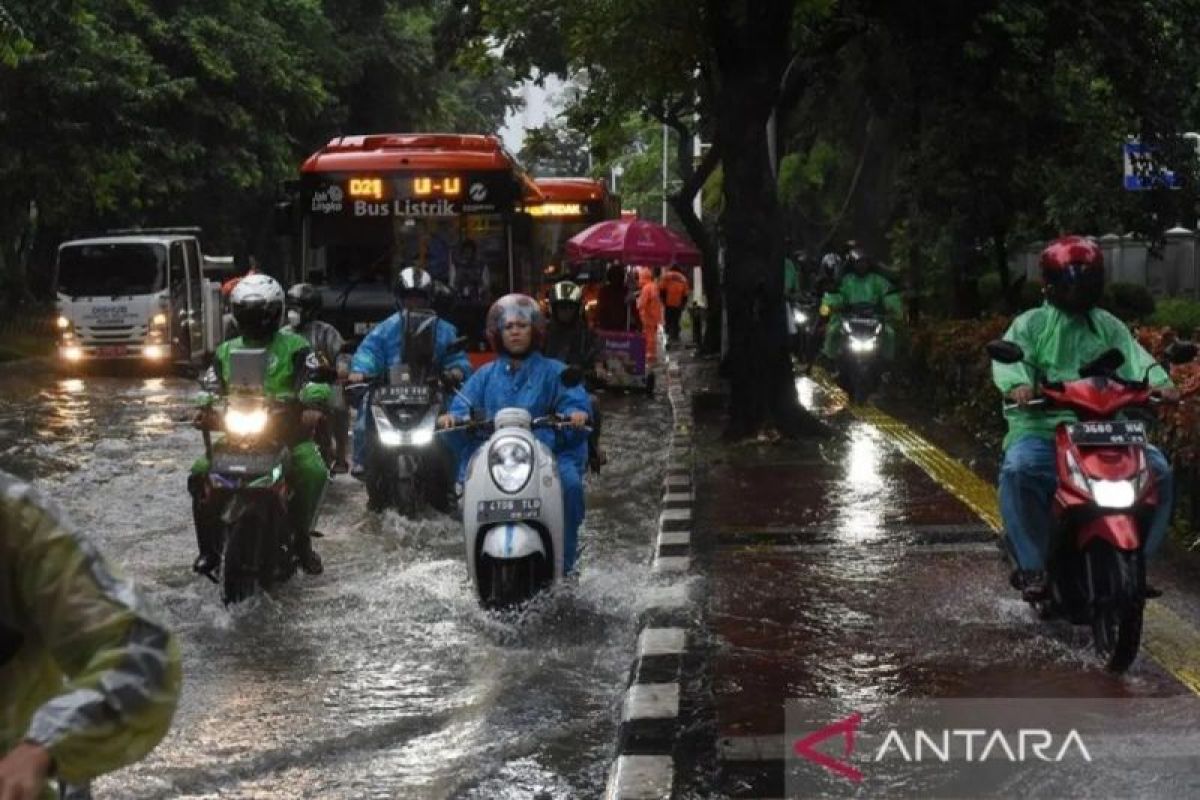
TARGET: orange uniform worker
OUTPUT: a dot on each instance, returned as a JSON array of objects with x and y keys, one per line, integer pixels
[
  {"x": 650, "y": 309},
  {"x": 674, "y": 288}
]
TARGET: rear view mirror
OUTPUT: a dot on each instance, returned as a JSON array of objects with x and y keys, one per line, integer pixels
[
  {"x": 1103, "y": 365},
  {"x": 1005, "y": 352},
  {"x": 1181, "y": 352}
]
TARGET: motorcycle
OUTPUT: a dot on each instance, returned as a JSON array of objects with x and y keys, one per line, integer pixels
[
  {"x": 1105, "y": 499},
  {"x": 513, "y": 515},
  {"x": 247, "y": 481},
  {"x": 859, "y": 361},
  {"x": 405, "y": 467},
  {"x": 804, "y": 319}
]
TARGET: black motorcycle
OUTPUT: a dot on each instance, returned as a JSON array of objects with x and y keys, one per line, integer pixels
[
  {"x": 247, "y": 486},
  {"x": 804, "y": 312},
  {"x": 859, "y": 359}
]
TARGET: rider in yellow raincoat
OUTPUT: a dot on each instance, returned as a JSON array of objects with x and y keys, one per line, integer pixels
[{"x": 88, "y": 682}]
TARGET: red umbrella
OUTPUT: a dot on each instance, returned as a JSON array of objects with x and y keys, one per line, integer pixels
[{"x": 633, "y": 241}]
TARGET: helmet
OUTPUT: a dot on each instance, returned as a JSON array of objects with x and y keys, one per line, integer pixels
[
  {"x": 510, "y": 307},
  {"x": 257, "y": 304},
  {"x": 414, "y": 281},
  {"x": 1073, "y": 273},
  {"x": 305, "y": 298},
  {"x": 857, "y": 261},
  {"x": 565, "y": 292}
]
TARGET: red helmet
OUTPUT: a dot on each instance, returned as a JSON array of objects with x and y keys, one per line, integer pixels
[
  {"x": 1073, "y": 272},
  {"x": 514, "y": 306}
]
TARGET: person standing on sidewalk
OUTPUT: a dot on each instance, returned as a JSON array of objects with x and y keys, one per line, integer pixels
[
  {"x": 88, "y": 681},
  {"x": 650, "y": 309},
  {"x": 675, "y": 289}
]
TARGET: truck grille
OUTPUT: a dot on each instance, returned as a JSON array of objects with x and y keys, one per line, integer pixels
[{"x": 110, "y": 334}]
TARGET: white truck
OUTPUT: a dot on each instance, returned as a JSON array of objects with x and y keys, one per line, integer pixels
[{"x": 137, "y": 295}]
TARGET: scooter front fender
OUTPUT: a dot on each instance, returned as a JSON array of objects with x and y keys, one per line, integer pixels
[
  {"x": 1119, "y": 530},
  {"x": 512, "y": 540}
]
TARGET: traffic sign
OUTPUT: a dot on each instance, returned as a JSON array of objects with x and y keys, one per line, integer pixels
[{"x": 1142, "y": 171}]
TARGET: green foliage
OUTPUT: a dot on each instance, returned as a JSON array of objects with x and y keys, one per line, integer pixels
[
  {"x": 1129, "y": 301},
  {"x": 128, "y": 112},
  {"x": 555, "y": 150},
  {"x": 1181, "y": 315}
]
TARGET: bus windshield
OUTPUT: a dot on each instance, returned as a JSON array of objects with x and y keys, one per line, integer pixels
[{"x": 94, "y": 270}]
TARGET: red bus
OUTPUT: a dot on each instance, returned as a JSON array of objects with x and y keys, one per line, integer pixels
[
  {"x": 569, "y": 205},
  {"x": 369, "y": 206}
]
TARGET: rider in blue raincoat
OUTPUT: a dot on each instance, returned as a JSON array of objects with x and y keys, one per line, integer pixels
[
  {"x": 521, "y": 377},
  {"x": 384, "y": 347}
]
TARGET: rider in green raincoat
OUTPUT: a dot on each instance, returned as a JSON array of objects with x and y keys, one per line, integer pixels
[
  {"x": 88, "y": 681},
  {"x": 859, "y": 286},
  {"x": 258, "y": 308}
]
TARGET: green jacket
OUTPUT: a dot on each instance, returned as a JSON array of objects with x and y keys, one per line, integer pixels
[
  {"x": 1058, "y": 344},
  {"x": 870, "y": 288},
  {"x": 791, "y": 277},
  {"x": 290, "y": 365},
  {"x": 83, "y": 670}
]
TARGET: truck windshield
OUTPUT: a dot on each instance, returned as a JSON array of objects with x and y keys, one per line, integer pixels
[{"x": 95, "y": 270}]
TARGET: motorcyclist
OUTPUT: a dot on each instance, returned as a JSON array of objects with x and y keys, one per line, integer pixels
[
  {"x": 860, "y": 285},
  {"x": 1058, "y": 337},
  {"x": 571, "y": 341},
  {"x": 385, "y": 347},
  {"x": 523, "y": 377},
  {"x": 88, "y": 680},
  {"x": 258, "y": 307},
  {"x": 304, "y": 305}
]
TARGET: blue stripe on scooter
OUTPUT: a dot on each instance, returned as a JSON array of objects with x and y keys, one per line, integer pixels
[{"x": 509, "y": 529}]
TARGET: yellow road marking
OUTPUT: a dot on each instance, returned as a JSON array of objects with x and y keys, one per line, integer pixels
[{"x": 1167, "y": 637}]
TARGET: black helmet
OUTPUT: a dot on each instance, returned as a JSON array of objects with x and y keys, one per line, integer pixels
[
  {"x": 257, "y": 305},
  {"x": 414, "y": 282},
  {"x": 857, "y": 261},
  {"x": 305, "y": 298}
]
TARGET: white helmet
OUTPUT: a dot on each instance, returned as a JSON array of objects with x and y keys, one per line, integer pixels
[
  {"x": 414, "y": 281},
  {"x": 257, "y": 304}
]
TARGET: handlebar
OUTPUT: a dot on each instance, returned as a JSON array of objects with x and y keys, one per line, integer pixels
[
  {"x": 549, "y": 422},
  {"x": 1046, "y": 404}
]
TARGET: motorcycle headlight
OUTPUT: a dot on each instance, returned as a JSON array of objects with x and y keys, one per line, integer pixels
[
  {"x": 847, "y": 327},
  {"x": 1114, "y": 494},
  {"x": 862, "y": 345},
  {"x": 421, "y": 437},
  {"x": 246, "y": 422},
  {"x": 510, "y": 461},
  {"x": 800, "y": 317}
]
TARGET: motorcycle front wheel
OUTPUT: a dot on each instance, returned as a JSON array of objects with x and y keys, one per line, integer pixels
[
  {"x": 513, "y": 582},
  {"x": 1118, "y": 605}
]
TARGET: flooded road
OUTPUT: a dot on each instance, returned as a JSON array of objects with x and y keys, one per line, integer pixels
[{"x": 380, "y": 678}]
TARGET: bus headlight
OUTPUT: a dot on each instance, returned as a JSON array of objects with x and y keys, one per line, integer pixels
[
  {"x": 246, "y": 423},
  {"x": 510, "y": 461}
]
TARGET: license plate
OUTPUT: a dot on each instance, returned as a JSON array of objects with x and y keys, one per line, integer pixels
[
  {"x": 409, "y": 393},
  {"x": 1117, "y": 433},
  {"x": 244, "y": 463},
  {"x": 509, "y": 510},
  {"x": 363, "y": 327},
  {"x": 112, "y": 350}
]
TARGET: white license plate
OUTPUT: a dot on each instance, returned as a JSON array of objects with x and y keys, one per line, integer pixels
[
  {"x": 509, "y": 510},
  {"x": 1116, "y": 433}
]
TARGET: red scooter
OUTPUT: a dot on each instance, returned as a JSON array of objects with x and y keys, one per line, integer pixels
[{"x": 1104, "y": 503}]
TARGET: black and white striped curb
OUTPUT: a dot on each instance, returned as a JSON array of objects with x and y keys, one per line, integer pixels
[{"x": 650, "y": 718}]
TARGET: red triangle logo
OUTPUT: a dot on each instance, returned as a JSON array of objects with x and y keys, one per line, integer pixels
[{"x": 806, "y": 748}]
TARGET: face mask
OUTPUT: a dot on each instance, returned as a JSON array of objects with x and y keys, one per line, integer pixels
[{"x": 293, "y": 318}]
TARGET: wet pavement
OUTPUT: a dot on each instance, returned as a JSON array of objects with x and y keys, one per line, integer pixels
[
  {"x": 839, "y": 568},
  {"x": 380, "y": 678}
]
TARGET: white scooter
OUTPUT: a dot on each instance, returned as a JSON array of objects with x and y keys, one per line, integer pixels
[{"x": 513, "y": 515}]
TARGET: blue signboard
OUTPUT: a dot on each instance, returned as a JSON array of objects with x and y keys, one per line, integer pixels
[{"x": 1142, "y": 171}]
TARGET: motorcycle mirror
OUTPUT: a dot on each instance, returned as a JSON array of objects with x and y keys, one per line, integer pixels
[
  {"x": 1181, "y": 352},
  {"x": 1103, "y": 365},
  {"x": 1005, "y": 352},
  {"x": 571, "y": 377}
]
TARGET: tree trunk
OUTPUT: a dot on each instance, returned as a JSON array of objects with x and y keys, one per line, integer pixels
[{"x": 693, "y": 181}]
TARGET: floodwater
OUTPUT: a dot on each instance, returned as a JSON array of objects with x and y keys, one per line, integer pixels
[{"x": 380, "y": 678}]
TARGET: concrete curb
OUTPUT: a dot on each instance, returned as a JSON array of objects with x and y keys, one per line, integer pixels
[{"x": 650, "y": 720}]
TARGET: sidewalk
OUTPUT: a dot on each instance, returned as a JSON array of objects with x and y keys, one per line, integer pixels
[{"x": 840, "y": 568}]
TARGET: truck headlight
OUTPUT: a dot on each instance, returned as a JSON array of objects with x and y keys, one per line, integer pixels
[
  {"x": 159, "y": 320},
  {"x": 72, "y": 353},
  {"x": 510, "y": 461},
  {"x": 246, "y": 423},
  {"x": 153, "y": 352},
  {"x": 63, "y": 323}
]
